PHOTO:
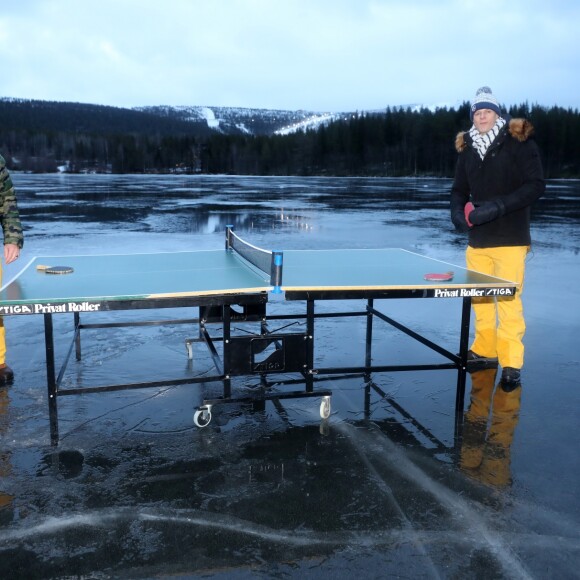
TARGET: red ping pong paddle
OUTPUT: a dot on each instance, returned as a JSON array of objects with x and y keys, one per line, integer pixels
[
  {"x": 439, "y": 277},
  {"x": 469, "y": 207}
]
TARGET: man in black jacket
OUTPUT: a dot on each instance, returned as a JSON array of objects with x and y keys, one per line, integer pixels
[{"x": 497, "y": 179}]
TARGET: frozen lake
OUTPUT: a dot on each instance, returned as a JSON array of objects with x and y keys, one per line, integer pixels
[{"x": 135, "y": 490}]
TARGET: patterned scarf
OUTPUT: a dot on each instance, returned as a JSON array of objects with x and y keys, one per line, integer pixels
[{"x": 481, "y": 143}]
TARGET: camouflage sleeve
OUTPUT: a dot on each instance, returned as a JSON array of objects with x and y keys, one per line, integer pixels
[{"x": 9, "y": 216}]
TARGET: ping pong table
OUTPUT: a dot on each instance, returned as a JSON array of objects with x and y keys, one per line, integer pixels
[{"x": 233, "y": 285}]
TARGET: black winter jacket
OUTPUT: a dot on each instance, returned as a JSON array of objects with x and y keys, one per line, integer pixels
[{"x": 510, "y": 174}]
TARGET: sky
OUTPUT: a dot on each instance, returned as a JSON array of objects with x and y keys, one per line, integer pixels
[{"x": 314, "y": 55}]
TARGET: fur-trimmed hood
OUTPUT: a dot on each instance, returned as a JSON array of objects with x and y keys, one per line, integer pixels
[{"x": 519, "y": 129}]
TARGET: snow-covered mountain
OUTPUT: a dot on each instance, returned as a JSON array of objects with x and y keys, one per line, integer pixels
[
  {"x": 249, "y": 121},
  {"x": 235, "y": 120}
]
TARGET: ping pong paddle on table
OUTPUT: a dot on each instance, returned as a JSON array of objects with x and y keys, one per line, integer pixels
[
  {"x": 439, "y": 277},
  {"x": 54, "y": 269}
]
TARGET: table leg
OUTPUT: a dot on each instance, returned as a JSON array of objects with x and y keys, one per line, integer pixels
[
  {"x": 227, "y": 350},
  {"x": 369, "y": 334},
  {"x": 310, "y": 346},
  {"x": 51, "y": 378},
  {"x": 77, "y": 322},
  {"x": 462, "y": 370}
]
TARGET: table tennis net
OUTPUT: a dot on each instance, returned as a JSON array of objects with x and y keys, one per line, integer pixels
[
  {"x": 260, "y": 258},
  {"x": 265, "y": 260}
]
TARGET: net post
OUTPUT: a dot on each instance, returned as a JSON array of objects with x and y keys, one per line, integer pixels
[
  {"x": 276, "y": 272},
  {"x": 229, "y": 230}
]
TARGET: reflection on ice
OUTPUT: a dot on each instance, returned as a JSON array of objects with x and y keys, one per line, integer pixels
[{"x": 489, "y": 427}]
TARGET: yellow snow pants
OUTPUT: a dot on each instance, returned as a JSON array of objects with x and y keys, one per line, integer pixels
[
  {"x": 499, "y": 321},
  {"x": 2, "y": 332}
]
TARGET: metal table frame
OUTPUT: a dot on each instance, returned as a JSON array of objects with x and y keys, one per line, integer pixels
[{"x": 291, "y": 352}]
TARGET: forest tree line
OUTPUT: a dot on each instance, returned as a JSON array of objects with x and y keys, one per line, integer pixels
[{"x": 395, "y": 142}]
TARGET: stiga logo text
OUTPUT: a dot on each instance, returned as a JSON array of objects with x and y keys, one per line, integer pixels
[
  {"x": 472, "y": 292},
  {"x": 49, "y": 308}
]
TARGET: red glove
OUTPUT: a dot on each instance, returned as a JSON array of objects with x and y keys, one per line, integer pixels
[{"x": 469, "y": 207}]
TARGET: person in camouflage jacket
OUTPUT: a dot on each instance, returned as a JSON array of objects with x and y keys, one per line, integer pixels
[{"x": 13, "y": 241}]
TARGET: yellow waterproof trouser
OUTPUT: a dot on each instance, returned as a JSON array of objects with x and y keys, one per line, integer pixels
[
  {"x": 499, "y": 322},
  {"x": 2, "y": 342},
  {"x": 2, "y": 332}
]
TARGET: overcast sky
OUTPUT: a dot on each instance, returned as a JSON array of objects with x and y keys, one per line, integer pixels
[{"x": 318, "y": 55}]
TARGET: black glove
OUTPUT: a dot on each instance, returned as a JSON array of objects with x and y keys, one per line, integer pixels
[
  {"x": 458, "y": 219},
  {"x": 486, "y": 212}
]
